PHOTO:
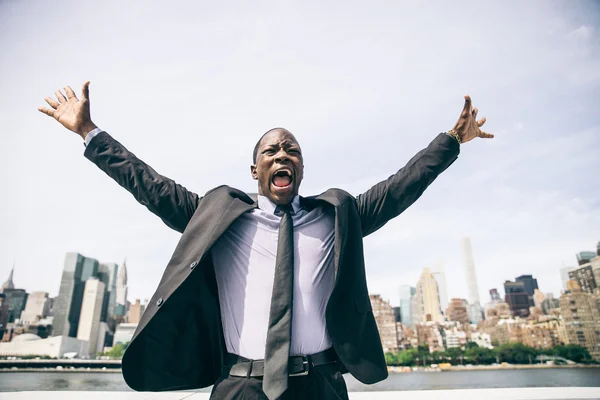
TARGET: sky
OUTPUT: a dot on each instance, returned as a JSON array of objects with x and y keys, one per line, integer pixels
[{"x": 190, "y": 86}]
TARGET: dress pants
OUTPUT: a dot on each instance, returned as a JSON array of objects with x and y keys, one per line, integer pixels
[{"x": 324, "y": 382}]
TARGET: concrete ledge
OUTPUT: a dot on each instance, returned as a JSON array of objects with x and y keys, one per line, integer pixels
[{"x": 469, "y": 394}]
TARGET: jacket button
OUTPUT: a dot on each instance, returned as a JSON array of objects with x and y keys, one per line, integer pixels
[
  {"x": 193, "y": 265},
  {"x": 159, "y": 301}
]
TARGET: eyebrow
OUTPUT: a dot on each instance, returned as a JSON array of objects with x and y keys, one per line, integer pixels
[{"x": 285, "y": 144}]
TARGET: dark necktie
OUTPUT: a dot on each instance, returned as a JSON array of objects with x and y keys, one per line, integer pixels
[{"x": 277, "y": 352}]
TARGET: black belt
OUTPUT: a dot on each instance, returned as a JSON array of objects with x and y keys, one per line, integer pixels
[{"x": 297, "y": 365}]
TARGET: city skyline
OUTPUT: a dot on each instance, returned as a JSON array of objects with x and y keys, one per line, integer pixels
[{"x": 122, "y": 292}]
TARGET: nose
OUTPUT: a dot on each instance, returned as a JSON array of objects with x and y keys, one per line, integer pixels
[{"x": 282, "y": 156}]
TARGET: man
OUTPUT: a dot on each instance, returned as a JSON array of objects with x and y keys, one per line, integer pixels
[{"x": 265, "y": 296}]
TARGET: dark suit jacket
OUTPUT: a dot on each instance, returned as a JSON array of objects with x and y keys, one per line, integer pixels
[{"x": 179, "y": 341}]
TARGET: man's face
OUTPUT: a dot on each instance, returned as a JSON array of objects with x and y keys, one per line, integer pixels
[{"x": 279, "y": 166}]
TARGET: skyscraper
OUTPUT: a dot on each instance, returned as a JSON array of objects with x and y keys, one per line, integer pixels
[
  {"x": 107, "y": 273},
  {"x": 3, "y": 314},
  {"x": 406, "y": 294},
  {"x": 91, "y": 311},
  {"x": 439, "y": 274},
  {"x": 16, "y": 300},
  {"x": 121, "y": 298},
  {"x": 472, "y": 287},
  {"x": 9, "y": 284},
  {"x": 517, "y": 298},
  {"x": 67, "y": 305},
  {"x": 89, "y": 268},
  {"x": 37, "y": 307},
  {"x": 428, "y": 298},
  {"x": 530, "y": 285},
  {"x": 414, "y": 307}
]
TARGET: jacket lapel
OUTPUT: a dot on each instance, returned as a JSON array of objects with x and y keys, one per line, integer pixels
[
  {"x": 341, "y": 219},
  {"x": 236, "y": 208}
]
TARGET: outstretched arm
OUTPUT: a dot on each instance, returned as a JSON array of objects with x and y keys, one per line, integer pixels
[
  {"x": 391, "y": 197},
  {"x": 171, "y": 202}
]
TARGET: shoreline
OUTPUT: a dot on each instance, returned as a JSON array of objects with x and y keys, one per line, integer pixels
[
  {"x": 391, "y": 369},
  {"x": 454, "y": 368}
]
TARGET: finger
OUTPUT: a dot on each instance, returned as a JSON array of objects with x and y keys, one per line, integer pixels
[
  {"x": 481, "y": 121},
  {"x": 70, "y": 93},
  {"x": 474, "y": 112},
  {"x": 61, "y": 97},
  {"x": 51, "y": 102},
  {"x": 85, "y": 91},
  {"x": 467, "y": 107},
  {"x": 486, "y": 135},
  {"x": 46, "y": 111}
]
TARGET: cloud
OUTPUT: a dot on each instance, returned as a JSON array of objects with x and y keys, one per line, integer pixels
[{"x": 584, "y": 32}]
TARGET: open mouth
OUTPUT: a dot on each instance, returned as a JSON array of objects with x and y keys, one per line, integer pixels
[{"x": 282, "y": 178}]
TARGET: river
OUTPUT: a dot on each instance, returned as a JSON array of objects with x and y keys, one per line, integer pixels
[{"x": 112, "y": 381}]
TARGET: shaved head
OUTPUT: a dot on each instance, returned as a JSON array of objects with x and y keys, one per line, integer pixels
[{"x": 257, "y": 146}]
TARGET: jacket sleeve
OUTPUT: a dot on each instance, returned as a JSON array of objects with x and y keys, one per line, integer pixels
[
  {"x": 389, "y": 198},
  {"x": 170, "y": 201}
]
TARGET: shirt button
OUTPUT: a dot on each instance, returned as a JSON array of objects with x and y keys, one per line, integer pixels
[
  {"x": 159, "y": 301},
  {"x": 193, "y": 265}
]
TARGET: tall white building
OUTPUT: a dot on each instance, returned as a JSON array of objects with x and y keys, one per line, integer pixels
[
  {"x": 91, "y": 311},
  {"x": 473, "y": 289},
  {"x": 407, "y": 310},
  {"x": 121, "y": 298},
  {"x": 428, "y": 298},
  {"x": 439, "y": 273},
  {"x": 37, "y": 307}
]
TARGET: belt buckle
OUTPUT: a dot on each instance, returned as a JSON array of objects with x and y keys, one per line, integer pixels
[{"x": 305, "y": 368}]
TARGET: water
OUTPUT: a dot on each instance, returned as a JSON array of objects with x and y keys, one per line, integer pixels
[{"x": 111, "y": 381}]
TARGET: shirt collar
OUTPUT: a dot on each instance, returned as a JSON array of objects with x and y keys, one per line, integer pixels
[{"x": 268, "y": 206}]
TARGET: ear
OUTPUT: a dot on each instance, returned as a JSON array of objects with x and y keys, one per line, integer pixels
[{"x": 253, "y": 172}]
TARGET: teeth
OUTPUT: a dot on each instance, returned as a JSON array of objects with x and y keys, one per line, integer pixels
[{"x": 283, "y": 172}]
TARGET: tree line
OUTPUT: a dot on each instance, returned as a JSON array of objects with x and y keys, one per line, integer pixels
[{"x": 512, "y": 353}]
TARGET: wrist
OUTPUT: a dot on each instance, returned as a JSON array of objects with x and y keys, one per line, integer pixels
[
  {"x": 455, "y": 135},
  {"x": 86, "y": 128}
]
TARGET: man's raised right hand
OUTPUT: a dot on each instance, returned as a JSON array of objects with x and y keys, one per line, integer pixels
[{"x": 72, "y": 113}]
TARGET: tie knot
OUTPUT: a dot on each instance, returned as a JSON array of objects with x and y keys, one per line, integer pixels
[{"x": 283, "y": 209}]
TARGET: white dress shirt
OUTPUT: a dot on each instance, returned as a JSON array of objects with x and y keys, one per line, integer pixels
[{"x": 244, "y": 259}]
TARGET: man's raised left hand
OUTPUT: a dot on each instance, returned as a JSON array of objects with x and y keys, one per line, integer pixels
[{"x": 467, "y": 127}]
